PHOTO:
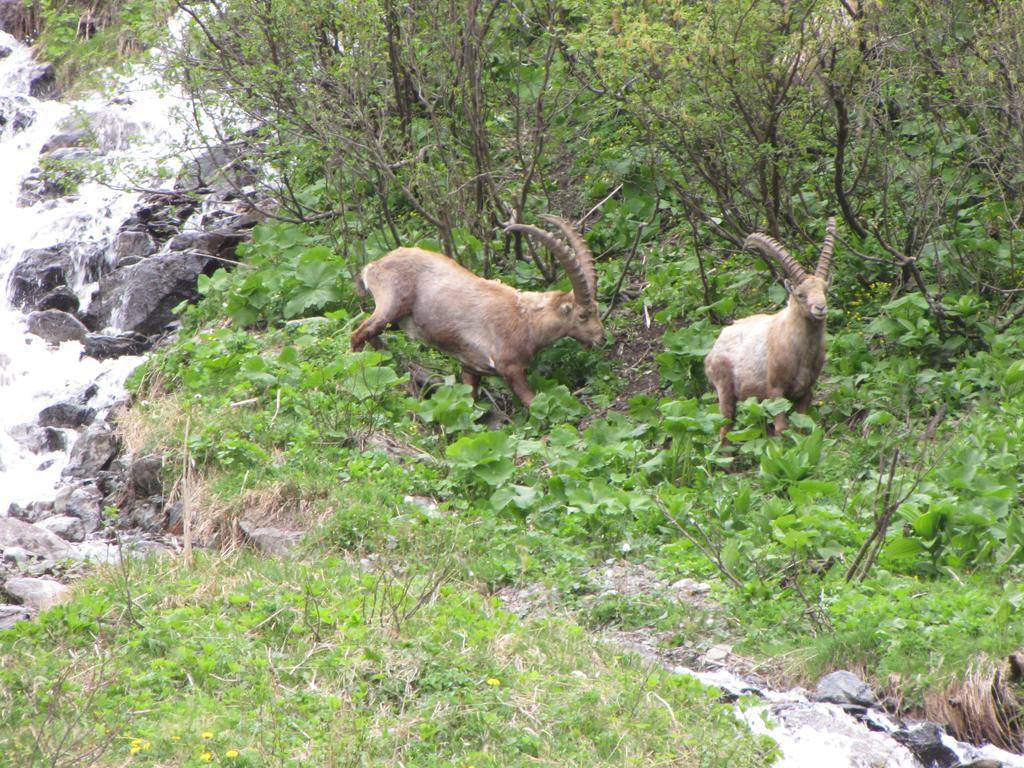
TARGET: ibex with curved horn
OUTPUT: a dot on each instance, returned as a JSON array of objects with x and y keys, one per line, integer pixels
[
  {"x": 489, "y": 327},
  {"x": 780, "y": 355}
]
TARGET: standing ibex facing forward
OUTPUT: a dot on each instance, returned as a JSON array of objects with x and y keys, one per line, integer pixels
[
  {"x": 780, "y": 355},
  {"x": 489, "y": 327}
]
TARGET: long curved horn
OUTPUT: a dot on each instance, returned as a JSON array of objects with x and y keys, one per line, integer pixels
[
  {"x": 569, "y": 261},
  {"x": 580, "y": 247},
  {"x": 769, "y": 246},
  {"x": 825, "y": 260}
]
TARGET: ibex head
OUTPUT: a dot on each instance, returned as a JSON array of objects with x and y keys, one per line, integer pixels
[
  {"x": 575, "y": 312},
  {"x": 808, "y": 291}
]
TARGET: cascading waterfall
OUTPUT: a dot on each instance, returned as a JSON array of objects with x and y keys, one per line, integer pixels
[{"x": 131, "y": 126}]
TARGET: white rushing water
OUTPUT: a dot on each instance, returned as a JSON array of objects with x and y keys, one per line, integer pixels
[
  {"x": 133, "y": 121},
  {"x": 813, "y": 734}
]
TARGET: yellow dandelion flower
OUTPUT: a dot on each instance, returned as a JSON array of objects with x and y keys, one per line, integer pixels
[
  {"x": 134, "y": 749},
  {"x": 206, "y": 757},
  {"x": 207, "y": 734},
  {"x": 146, "y": 745},
  {"x": 231, "y": 753},
  {"x": 493, "y": 681}
]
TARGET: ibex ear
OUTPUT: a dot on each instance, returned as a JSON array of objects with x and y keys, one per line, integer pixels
[
  {"x": 565, "y": 310},
  {"x": 787, "y": 285}
]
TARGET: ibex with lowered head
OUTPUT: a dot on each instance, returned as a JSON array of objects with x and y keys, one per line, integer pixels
[
  {"x": 780, "y": 355},
  {"x": 489, "y": 327}
]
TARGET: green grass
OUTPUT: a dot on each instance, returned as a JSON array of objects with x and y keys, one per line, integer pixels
[{"x": 242, "y": 660}]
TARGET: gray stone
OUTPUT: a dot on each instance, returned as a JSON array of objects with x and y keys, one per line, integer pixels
[
  {"x": 66, "y": 415},
  {"x": 56, "y": 326},
  {"x": 76, "y": 137},
  {"x": 141, "y": 297},
  {"x": 220, "y": 242},
  {"x": 12, "y": 614},
  {"x": 93, "y": 451},
  {"x": 273, "y": 541},
  {"x": 106, "y": 346},
  {"x": 842, "y": 687},
  {"x": 42, "y": 82},
  {"x": 62, "y": 298},
  {"x": 132, "y": 243},
  {"x": 38, "y": 594},
  {"x": 147, "y": 514},
  {"x": 144, "y": 474},
  {"x": 5, "y": 51},
  {"x": 925, "y": 741},
  {"x": 38, "y": 541},
  {"x": 67, "y": 527},
  {"x": 84, "y": 502},
  {"x": 38, "y": 272}
]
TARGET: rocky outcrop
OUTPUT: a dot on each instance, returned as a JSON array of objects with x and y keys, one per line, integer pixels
[
  {"x": 93, "y": 451},
  {"x": 140, "y": 298},
  {"x": 38, "y": 272},
  {"x": 56, "y": 326},
  {"x": 66, "y": 415},
  {"x": 846, "y": 689}
]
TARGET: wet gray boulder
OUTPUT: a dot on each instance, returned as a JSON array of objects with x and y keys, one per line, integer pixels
[
  {"x": 75, "y": 137},
  {"x": 56, "y": 326},
  {"x": 66, "y": 415},
  {"x": 38, "y": 272},
  {"x": 37, "y": 594},
  {"x": 38, "y": 541},
  {"x": 925, "y": 741},
  {"x": 132, "y": 243},
  {"x": 106, "y": 346},
  {"x": 62, "y": 298},
  {"x": 218, "y": 242},
  {"x": 140, "y": 298},
  {"x": 5, "y": 51},
  {"x": 93, "y": 451},
  {"x": 844, "y": 688},
  {"x": 42, "y": 82}
]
